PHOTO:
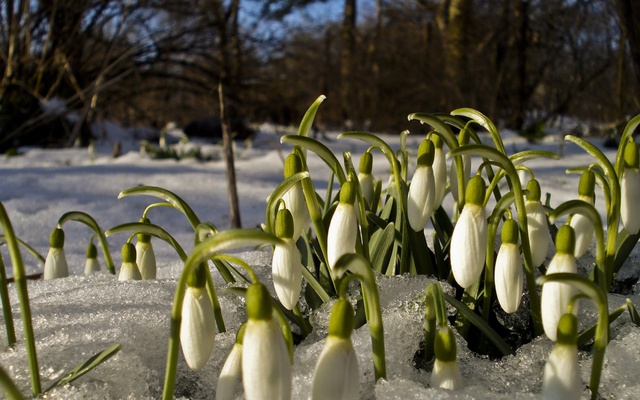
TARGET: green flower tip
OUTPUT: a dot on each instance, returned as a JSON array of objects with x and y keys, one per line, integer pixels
[
  {"x": 342, "y": 319},
  {"x": 631, "y": 156},
  {"x": 566, "y": 239},
  {"x": 128, "y": 253},
  {"x": 198, "y": 277},
  {"x": 366, "y": 163},
  {"x": 426, "y": 153},
  {"x": 284, "y": 224},
  {"x": 510, "y": 232},
  {"x": 587, "y": 185},
  {"x": 56, "y": 239},
  {"x": 533, "y": 186},
  {"x": 348, "y": 193},
  {"x": 476, "y": 190},
  {"x": 258, "y": 302},
  {"x": 437, "y": 140},
  {"x": 445, "y": 345},
  {"x": 92, "y": 251},
  {"x": 292, "y": 165},
  {"x": 568, "y": 329},
  {"x": 143, "y": 237},
  {"x": 240, "y": 334}
]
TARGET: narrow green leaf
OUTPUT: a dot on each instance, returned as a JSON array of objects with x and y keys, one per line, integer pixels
[
  {"x": 380, "y": 246},
  {"x": 483, "y": 121},
  {"x": 164, "y": 194},
  {"x": 86, "y": 366},
  {"x": 27, "y": 247},
  {"x": 524, "y": 156},
  {"x": 309, "y": 116},
  {"x": 633, "y": 313}
]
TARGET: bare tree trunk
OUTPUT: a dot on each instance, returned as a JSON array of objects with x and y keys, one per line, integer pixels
[
  {"x": 629, "y": 15},
  {"x": 458, "y": 25},
  {"x": 347, "y": 57},
  {"x": 227, "y": 141},
  {"x": 521, "y": 80}
]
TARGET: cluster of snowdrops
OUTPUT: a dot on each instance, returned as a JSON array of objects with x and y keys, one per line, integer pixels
[{"x": 321, "y": 244}]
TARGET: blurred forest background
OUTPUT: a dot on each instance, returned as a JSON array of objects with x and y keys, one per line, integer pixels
[{"x": 148, "y": 62}]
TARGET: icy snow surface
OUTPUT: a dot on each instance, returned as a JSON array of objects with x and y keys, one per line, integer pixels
[{"x": 79, "y": 316}]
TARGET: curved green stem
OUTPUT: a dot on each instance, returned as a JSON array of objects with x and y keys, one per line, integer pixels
[
  {"x": 217, "y": 310},
  {"x": 321, "y": 150},
  {"x": 626, "y": 133},
  {"x": 276, "y": 196},
  {"x": 174, "y": 200},
  {"x": 149, "y": 229},
  {"x": 6, "y": 305},
  {"x": 152, "y": 206},
  {"x": 482, "y": 120},
  {"x": 88, "y": 220},
  {"x": 27, "y": 247}
]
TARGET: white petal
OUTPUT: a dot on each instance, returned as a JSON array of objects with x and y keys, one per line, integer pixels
[
  {"x": 509, "y": 277},
  {"x": 91, "y": 266},
  {"x": 366, "y": 186},
  {"x": 342, "y": 234},
  {"x": 129, "y": 271},
  {"x": 230, "y": 373},
  {"x": 266, "y": 371},
  {"x": 146, "y": 260},
  {"x": 198, "y": 327},
  {"x": 538, "y": 232},
  {"x": 555, "y": 296},
  {"x": 440, "y": 176},
  {"x": 422, "y": 194},
  {"x": 446, "y": 375},
  {"x": 584, "y": 234},
  {"x": 561, "y": 379},
  {"x": 630, "y": 191},
  {"x": 295, "y": 202},
  {"x": 287, "y": 273},
  {"x": 336, "y": 376},
  {"x": 469, "y": 245},
  {"x": 55, "y": 265}
]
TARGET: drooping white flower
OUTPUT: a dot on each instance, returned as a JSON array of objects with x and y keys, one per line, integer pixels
[
  {"x": 556, "y": 296},
  {"x": 630, "y": 189},
  {"x": 561, "y": 378},
  {"x": 582, "y": 225},
  {"x": 286, "y": 265},
  {"x": 509, "y": 275},
  {"x": 91, "y": 265},
  {"x": 366, "y": 179},
  {"x": 232, "y": 369},
  {"x": 145, "y": 256},
  {"x": 422, "y": 191},
  {"x": 469, "y": 239},
  {"x": 538, "y": 229},
  {"x": 343, "y": 229},
  {"x": 439, "y": 171},
  {"x": 55, "y": 265},
  {"x": 336, "y": 376},
  {"x": 198, "y": 327},
  {"x": 446, "y": 373},
  {"x": 129, "y": 269},
  {"x": 266, "y": 369},
  {"x": 294, "y": 199}
]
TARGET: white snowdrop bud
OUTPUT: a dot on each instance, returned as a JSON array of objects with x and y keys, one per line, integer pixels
[
  {"x": 91, "y": 265},
  {"x": 422, "y": 191},
  {"x": 336, "y": 376},
  {"x": 439, "y": 170},
  {"x": 561, "y": 378},
  {"x": 365, "y": 177},
  {"x": 509, "y": 275},
  {"x": 266, "y": 369},
  {"x": 231, "y": 371},
  {"x": 446, "y": 374},
  {"x": 582, "y": 225},
  {"x": 129, "y": 269},
  {"x": 55, "y": 265},
  {"x": 145, "y": 256},
  {"x": 343, "y": 229},
  {"x": 198, "y": 327},
  {"x": 556, "y": 296},
  {"x": 286, "y": 264},
  {"x": 630, "y": 189},
  {"x": 469, "y": 239},
  {"x": 538, "y": 229},
  {"x": 294, "y": 199}
]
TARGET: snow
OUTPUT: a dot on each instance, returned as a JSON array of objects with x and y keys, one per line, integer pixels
[{"x": 78, "y": 316}]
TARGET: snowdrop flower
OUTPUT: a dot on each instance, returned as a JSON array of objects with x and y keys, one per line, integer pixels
[
  {"x": 336, "y": 376},
  {"x": 91, "y": 265},
  {"x": 630, "y": 189},
  {"x": 294, "y": 199},
  {"x": 538, "y": 232},
  {"x": 583, "y": 227},
  {"x": 422, "y": 191},
  {"x": 198, "y": 327},
  {"x": 266, "y": 369},
  {"x": 232, "y": 369},
  {"x": 561, "y": 378},
  {"x": 556, "y": 296},
  {"x": 453, "y": 175},
  {"x": 509, "y": 275},
  {"x": 286, "y": 263},
  {"x": 129, "y": 269},
  {"x": 343, "y": 229},
  {"x": 439, "y": 170},
  {"x": 446, "y": 374},
  {"x": 145, "y": 256},
  {"x": 365, "y": 177},
  {"x": 469, "y": 238},
  {"x": 55, "y": 265}
]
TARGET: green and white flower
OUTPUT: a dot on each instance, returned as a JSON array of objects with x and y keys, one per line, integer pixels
[
  {"x": 446, "y": 373},
  {"x": 453, "y": 175},
  {"x": 561, "y": 378},
  {"x": 145, "y": 256},
  {"x": 469, "y": 239},
  {"x": 439, "y": 170},
  {"x": 538, "y": 229},
  {"x": 556, "y": 296},
  {"x": 583, "y": 227},
  {"x": 630, "y": 189},
  {"x": 129, "y": 269},
  {"x": 286, "y": 264},
  {"x": 509, "y": 275},
  {"x": 365, "y": 177},
  {"x": 294, "y": 199},
  {"x": 231, "y": 371},
  {"x": 55, "y": 265},
  {"x": 422, "y": 191},
  {"x": 343, "y": 229},
  {"x": 91, "y": 265},
  {"x": 336, "y": 376}
]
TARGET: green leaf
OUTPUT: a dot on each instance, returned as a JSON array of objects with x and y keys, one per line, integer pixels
[
  {"x": 321, "y": 150},
  {"x": 524, "y": 156},
  {"x": 86, "y": 366},
  {"x": 272, "y": 201},
  {"x": 483, "y": 121},
  {"x": 170, "y": 197},
  {"x": 633, "y": 313},
  {"x": 88, "y": 220},
  {"x": 309, "y": 116},
  {"x": 24, "y": 244},
  {"x": 380, "y": 246}
]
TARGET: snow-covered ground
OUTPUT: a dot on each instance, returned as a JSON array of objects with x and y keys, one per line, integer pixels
[{"x": 78, "y": 316}]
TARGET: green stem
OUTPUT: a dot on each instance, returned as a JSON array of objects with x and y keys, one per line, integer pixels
[
  {"x": 91, "y": 223},
  {"x": 30, "y": 249},
  {"x": 6, "y": 305},
  {"x": 170, "y": 197},
  {"x": 217, "y": 310},
  {"x": 149, "y": 229}
]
